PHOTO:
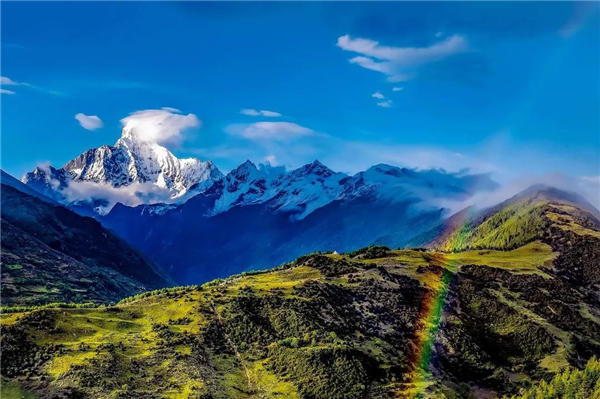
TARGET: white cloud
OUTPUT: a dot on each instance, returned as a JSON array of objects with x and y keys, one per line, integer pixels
[
  {"x": 261, "y": 112},
  {"x": 271, "y": 160},
  {"x": 279, "y": 131},
  {"x": 8, "y": 81},
  {"x": 385, "y": 104},
  {"x": 170, "y": 109},
  {"x": 399, "y": 63},
  {"x": 132, "y": 195},
  {"x": 378, "y": 95},
  {"x": 161, "y": 126},
  {"x": 89, "y": 122},
  {"x": 397, "y": 88}
]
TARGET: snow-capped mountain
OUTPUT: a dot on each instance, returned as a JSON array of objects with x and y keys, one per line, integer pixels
[
  {"x": 393, "y": 183},
  {"x": 312, "y": 186},
  {"x": 257, "y": 216},
  {"x": 145, "y": 171},
  {"x": 299, "y": 191}
]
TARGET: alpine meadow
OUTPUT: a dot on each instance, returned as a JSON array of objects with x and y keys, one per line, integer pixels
[{"x": 300, "y": 200}]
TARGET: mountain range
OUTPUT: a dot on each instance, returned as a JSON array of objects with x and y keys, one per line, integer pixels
[{"x": 183, "y": 214}]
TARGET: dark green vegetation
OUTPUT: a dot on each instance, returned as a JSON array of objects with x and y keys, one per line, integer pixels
[
  {"x": 51, "y": 254},
  {"x": 344, "y": 326},
  {"x": 569, "y": 384},
  {"x": 524, "y": 218}
]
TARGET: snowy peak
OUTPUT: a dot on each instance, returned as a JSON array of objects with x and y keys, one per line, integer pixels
[
  {"x": 153, "y": 172},
  {"x": 307, "y": 188},
  {"x": 315, "y": 168},
  {"x": 299, "y": 191},
  {"x": 245, "y": 172},
  {"x": 150, "y": 162},
  {"x": 390, "y": 181}
]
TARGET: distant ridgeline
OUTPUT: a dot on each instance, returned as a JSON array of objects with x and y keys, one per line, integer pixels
[
  {"x": 199, "y": 224},
  {"x": 499, "y": 303}
]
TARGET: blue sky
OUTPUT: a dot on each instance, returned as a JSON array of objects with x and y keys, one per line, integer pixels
[{"x": 508, "y": 87}]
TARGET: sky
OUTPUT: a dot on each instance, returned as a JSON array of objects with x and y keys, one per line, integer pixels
[{"x": 503, "y": 87}]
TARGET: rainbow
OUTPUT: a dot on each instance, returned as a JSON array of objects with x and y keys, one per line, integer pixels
[{"x": 432, "y": 309}]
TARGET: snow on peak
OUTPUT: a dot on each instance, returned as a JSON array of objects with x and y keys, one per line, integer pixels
[
  {"x": 299, "y": 191},
  {"x": 145, "y": 170}
]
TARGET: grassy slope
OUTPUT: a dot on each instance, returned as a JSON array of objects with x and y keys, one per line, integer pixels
[
  {"x": 518, "y": 221},
  {"x": 334, "y": 326},
  {"x": 325, "y": 328},
  {"x": 570, "y": 383}
]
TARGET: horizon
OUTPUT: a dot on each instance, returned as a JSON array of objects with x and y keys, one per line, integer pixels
[{"x": 382, "y": 81}]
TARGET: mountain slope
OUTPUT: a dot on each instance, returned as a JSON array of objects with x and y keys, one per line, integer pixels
[
  {"x": 50, "y": 254},
  {"x": 254, "y": 218},
  {"x": 400, "y": 323},
  {"x": 523, "y": 218},
  {"x": 8, "y": 180}
]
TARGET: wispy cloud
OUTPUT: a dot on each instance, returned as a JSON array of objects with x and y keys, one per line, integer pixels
[
  {"x": 89, "y": 122},
  {"x": 591, "y": 179},
  {"x": 171, "y": 109},
  {"x": 163, "y": 126},
  {"x": 384, "y": 103},
  {"x": 271, "y": 160},
  {"x": 397, "y": 88},
  {"x": 261, "y": 112},
  {"x": 399, "y": 63},
  {"x": 4, "y": 80},
  {"x": 279, "y": 131},
  {"x": 12, "y": 45}
]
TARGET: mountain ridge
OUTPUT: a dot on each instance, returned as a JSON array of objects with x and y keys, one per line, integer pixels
[
  {"x": 383, "y": 205},
  {"x": 524, "y": 213}
]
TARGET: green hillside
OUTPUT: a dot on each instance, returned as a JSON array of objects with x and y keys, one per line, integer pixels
[
  {"x": 570, "y": 383},
  {"x": 529, "y": 216},
  {"x": 51, "y": 254},
  {"x": 375, "y": 323},
  {"x": 322, "y": 327}
]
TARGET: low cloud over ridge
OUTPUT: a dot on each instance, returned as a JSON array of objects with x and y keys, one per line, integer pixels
[{"x": 161, "y": 126}]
